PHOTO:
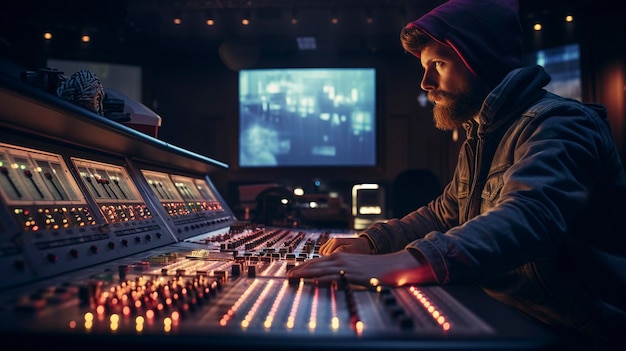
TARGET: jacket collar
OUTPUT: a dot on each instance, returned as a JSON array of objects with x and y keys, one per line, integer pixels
[{"x": 517, "y": 91}]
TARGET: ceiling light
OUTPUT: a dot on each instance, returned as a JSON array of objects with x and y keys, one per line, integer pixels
[
  {"x": 246, "y": 18},
  {"x": 210, "y": 20}
]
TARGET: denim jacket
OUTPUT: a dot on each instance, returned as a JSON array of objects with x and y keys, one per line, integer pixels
[{"x": 535, "y": 212}]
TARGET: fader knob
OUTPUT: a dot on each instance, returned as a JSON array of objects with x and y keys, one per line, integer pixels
[
  {"x": 235, "y": 270},
  {"x": 251, "y": 271},
  {"x": 123, "y": 270}
]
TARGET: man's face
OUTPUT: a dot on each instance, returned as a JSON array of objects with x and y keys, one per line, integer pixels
[{"x": 456, "y": 93}]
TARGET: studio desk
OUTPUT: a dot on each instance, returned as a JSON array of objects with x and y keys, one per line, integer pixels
[{"x": 113, "y": 239}]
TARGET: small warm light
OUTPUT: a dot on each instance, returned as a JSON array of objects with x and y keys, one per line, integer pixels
[
  {"x": 85, "y": 38},
  {"x": 298, "y": 191},
  {"x": 358, "y": 327},
  {"x": 47, "y": 35},
  {"x": 334, "y": 20},
  {"x": 455, "y": 135},
  {"x": 89, "y": 316},
  {"x": 369, "y": 18},
  {"x": 537, "y": 26},
  {"x": 294, "y": 16},
  {"x": 210, "y": 22},
  {"x": 334, "y": 323},
  {"x": 245, "y": 21},
  {"x": 569, "y": 18},
  {"x": 177, "y": 21}
]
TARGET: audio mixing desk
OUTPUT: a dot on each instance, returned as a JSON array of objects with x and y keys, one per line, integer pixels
[
  {"x": 230, "y": 292},
  {"x": 112, "y": 238}
]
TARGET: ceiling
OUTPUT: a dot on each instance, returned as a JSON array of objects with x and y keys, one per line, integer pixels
[{"x": 129, "y": 27}]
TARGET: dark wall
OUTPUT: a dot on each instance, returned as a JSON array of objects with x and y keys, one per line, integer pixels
[{"x": 195, "y": 93}]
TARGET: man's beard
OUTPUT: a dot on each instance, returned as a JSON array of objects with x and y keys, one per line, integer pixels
[{"x": 455, "y": 108}]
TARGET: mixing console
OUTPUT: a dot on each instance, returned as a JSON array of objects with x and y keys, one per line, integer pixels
[
  {"x": 231, "y": 288},
  {"x": 109, "y": 237}
]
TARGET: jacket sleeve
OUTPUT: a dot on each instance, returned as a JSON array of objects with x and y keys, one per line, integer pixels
[{"x": 394, "y": 234}]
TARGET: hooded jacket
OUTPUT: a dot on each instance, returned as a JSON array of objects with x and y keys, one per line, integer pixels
[{"x": 534, "y": 211}]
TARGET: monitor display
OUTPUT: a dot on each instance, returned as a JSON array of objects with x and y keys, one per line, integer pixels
[
  {"x": 303, "y": 117},
  {"x": 563, "y": 65}
]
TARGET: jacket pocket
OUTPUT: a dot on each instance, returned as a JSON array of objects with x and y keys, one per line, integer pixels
[{"x": 491, "y": 191}]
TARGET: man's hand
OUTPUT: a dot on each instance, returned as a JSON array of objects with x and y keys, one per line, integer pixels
[
  {"x": 393, "y": 269},
  {"x": 349, "y": 245}
]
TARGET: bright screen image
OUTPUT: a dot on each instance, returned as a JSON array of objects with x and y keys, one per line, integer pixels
[{"x": 307, "y": 117}]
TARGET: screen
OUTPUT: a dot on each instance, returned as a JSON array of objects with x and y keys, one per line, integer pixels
[
  {"x": 563, "y": 65},
  {"x": 307, "y": 117}
]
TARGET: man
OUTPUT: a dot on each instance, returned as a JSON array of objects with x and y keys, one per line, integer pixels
[{"x": 533, "y": 214}]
